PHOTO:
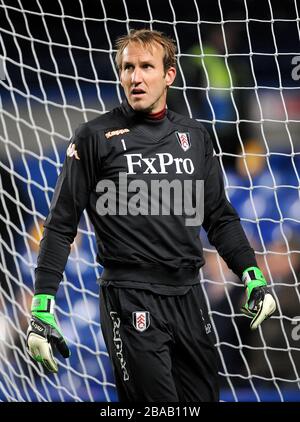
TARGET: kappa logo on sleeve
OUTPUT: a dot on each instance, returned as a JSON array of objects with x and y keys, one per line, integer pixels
[
  {"x": 184, "y": 140},
  {"x": 72, "y": 152},
  {"x": 141, "y": 320},
  {"x": 116, "y": 132},
  {"x": 207, "y": 326}
]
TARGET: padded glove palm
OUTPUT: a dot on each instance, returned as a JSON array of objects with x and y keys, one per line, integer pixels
[
  {"x": 43, "y": 333},
  {"x": 260, "y": 303}
]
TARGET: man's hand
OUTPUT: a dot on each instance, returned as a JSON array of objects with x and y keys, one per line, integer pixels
[
  {"x": 43, "y": 333},
  {"x": 260, "y": 303}
]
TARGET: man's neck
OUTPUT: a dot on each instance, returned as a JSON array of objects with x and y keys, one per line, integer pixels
[{"x": 159, "y": 115}]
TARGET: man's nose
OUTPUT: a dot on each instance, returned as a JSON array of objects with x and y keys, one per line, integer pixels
[{"x": 136, "y": 76}]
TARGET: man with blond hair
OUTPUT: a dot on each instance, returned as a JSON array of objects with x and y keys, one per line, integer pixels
[{"x": 149, "y": 180}]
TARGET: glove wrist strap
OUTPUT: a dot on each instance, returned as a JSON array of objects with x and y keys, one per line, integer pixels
[
  {"x": 253, "y": 274},
  {"x": 43, "y": 303},
  {"x": 253, "y": 277},
  {"x": 43, "y": 308}
]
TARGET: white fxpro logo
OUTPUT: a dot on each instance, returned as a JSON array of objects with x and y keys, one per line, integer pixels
[{"x": 158, "y": 164}]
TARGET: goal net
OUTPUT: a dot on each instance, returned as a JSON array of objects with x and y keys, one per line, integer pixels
[{"x": 238, "y": 74}]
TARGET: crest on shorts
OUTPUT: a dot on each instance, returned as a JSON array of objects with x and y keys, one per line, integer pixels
[
  {"x": 184, "y": 140},
  {"x": 141, "y": 320}
]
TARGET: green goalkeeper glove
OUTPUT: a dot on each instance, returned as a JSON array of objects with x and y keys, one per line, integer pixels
[
  {"x": 260, "y": 303},
  {"x": 43, "y": 333}
]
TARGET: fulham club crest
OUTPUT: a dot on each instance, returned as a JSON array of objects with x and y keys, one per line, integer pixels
[
  {"x": 184, "y": 140},
  {"x": 141, "y": 320}
]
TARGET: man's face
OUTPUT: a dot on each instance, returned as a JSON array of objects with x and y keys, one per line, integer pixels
[{"x": 143, "y": 77}]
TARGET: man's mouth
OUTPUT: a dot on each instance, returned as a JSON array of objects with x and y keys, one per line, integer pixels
[{"x": 137, "y": 92}]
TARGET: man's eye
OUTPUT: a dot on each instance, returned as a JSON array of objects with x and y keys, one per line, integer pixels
[{"x": 128, "y": 66}]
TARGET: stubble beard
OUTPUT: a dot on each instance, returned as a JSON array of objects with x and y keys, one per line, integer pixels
[{"x": 148, "y": 109}]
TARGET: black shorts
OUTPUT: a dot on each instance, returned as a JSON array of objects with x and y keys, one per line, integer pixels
[{"x": 161, "y": 347}]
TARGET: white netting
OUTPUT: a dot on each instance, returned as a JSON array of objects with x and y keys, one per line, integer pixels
[{"x": 238, "y": 73}]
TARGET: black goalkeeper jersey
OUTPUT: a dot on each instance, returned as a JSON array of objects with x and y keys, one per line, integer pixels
[{"x": 128, "y": 152}]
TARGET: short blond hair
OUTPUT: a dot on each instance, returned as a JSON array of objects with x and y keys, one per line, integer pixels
[{"x": 146, "y": 38}]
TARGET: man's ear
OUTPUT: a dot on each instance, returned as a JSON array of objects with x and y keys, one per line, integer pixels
[
  {"x": 170, "y": 75},
  {"x": 120, "y": 77}
]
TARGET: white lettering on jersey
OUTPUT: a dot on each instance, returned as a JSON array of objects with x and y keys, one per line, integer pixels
[
  {"x": 158, "y": 164},
  {"x": 124, "y": 145}
]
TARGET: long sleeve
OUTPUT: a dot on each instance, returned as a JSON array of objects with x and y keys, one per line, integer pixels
[
  {"x": 70, "y": 198},
  {"x": 221, "y": 221}
]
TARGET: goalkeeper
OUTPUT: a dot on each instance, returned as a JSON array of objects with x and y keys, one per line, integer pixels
[{"x": 153, "y": 313}]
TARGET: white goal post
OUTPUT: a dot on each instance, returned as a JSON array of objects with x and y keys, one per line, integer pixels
[{"x": 238, "y": 74}]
